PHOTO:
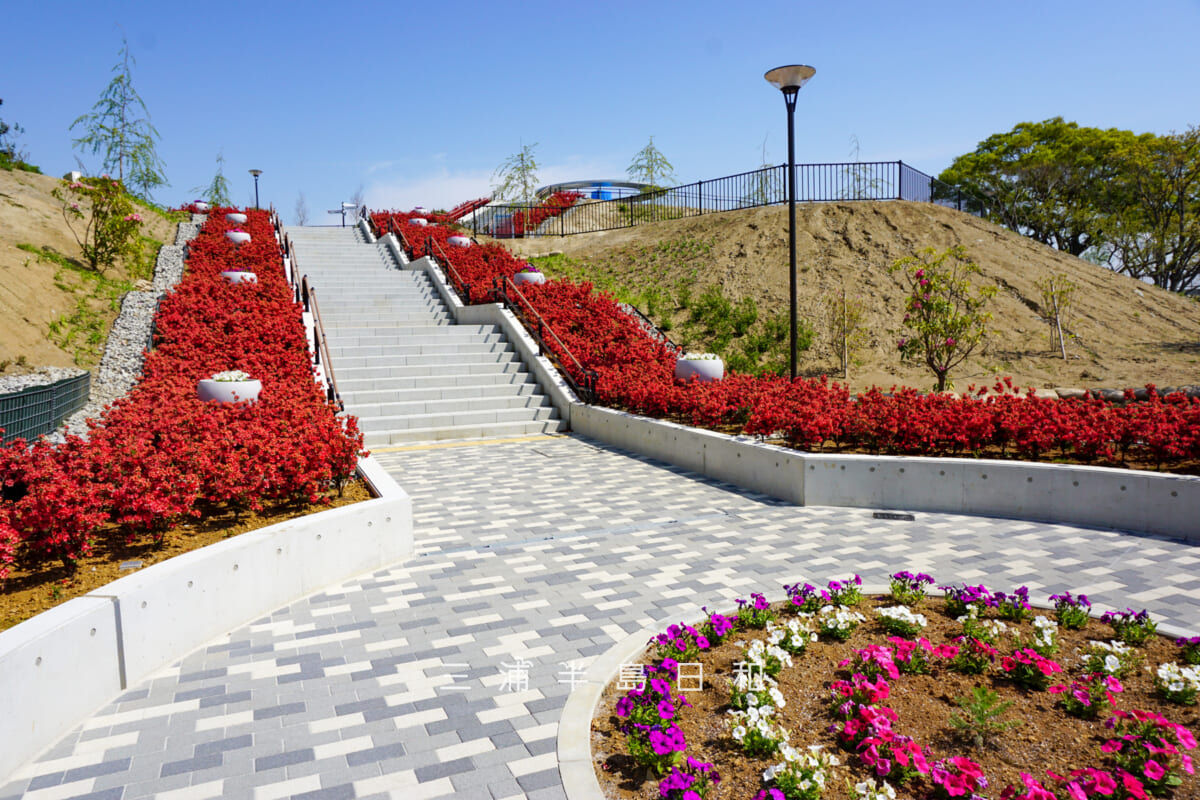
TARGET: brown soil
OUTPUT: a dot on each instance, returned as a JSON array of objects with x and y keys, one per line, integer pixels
[
  {"x": 30, "y": 297},
  {"x": 1046, "y": 738},
  {"x": 1127, "y": 333},
  {"x": 27, "y": 592}
]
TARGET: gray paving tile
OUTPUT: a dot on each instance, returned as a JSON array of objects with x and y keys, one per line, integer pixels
[
  {"x": 283, "y": 759},
  {"x": 495, "y": 573}
]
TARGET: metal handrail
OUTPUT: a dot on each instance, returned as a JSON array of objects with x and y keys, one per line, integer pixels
[
  {"x": 393, "y": 227},
  {"x": 298, "y": 295},
  {"x": 538, "y": 328},
  {"x": 372, "y": 226},
  {"x": 321, "y": 345},
  {"x": 650, "y": 328},
  {"x": 460, "y": 286}
]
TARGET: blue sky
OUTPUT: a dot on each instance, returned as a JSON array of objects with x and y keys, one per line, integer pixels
[{"x": 419, "y": 102}]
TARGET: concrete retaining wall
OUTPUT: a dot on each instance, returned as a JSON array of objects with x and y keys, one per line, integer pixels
[
  {"x": 63, "y": 664},
  {"x": 1101, "y": 497}
]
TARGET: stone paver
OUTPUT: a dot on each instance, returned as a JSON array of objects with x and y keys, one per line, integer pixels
[{"x": 445, "y": 676}]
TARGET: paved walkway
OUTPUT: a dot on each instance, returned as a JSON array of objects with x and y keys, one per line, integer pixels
[{"x": 405, "y": 682}]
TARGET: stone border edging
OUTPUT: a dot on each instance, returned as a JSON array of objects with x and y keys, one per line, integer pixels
[
  {"x": 125, "y": 631},
  {"x": 575, "y": 765}
]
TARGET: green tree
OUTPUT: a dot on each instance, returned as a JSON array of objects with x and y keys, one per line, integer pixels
[
  {"x": 102, "y": 218},
  {"x": 217, "y": 191},
  {"x": 846, "y": 323},
  {"x": 1048, "y": 180},
  {"x": 10, "y": 156},
  {"x": 118, "y": 127},
  {"x": 516, "y": 177},
  {"x": 1154, "y": 210},
  {"x": 650, "y": 166},
  {"x": 768, "y": 184},
  {"x": 1058, "y": 296},
  {"x": 861, "y": 181},
  {"x": 944, "y": 321}
]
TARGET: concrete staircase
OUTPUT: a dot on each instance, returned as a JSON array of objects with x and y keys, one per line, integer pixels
[{"x": 403, "y": 367}]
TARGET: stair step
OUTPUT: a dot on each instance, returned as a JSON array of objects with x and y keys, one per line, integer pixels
[
  {"x": 356, "y": 337},
  {"x": 390, "y": 360},
  {"x": 488, "y": 431},
  {"x": 450, "y": 350},
  {"x": 379, "y": 397},
  {"x": 422, "y": 409},
  {"x": 401, "y": 325},
  {"x": 418, "y": 370},
  {"x": 340, "y": 316},
  {"x": 468, "y": 382}
]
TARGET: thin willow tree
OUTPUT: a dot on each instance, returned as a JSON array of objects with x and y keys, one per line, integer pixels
[{"x": 118, "y": 128}]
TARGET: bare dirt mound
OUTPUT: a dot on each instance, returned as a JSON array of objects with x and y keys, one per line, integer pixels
[
  {"x": 36, "y": 291},
  {"x": 1126, "y": 333}
]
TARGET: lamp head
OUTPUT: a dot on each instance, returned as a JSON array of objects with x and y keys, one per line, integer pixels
[
  {"x": 256, "y": 172},
  {"x": 791, "y": 78}
]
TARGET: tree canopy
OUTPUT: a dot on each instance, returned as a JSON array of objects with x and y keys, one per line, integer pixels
[
  {"x": 1131, "y": 200},
  {"x": 516, "y": 177},
  {"x": 650, "y": 166},
  {"x": 217, "y": 191}
]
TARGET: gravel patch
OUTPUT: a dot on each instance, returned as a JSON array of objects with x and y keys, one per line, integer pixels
[
  {"x": 42, "y": 376},
  {"x": 121, "y": 365}
]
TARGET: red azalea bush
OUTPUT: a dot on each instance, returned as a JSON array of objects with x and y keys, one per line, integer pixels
[
  {"x": 159, "y": 453},
  {"x": 636, "y": 373},
  {"x": 523, "y": 222}
]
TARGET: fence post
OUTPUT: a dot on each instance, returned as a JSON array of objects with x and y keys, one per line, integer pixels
[{"x": 899, "y": 180}]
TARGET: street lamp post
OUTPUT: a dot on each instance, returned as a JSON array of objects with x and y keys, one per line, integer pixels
[
  {"x": 256, "y": 173},
  {"x": 789, "y": 80}
]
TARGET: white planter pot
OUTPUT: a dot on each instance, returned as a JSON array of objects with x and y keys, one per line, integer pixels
[
  {"x": 702, "y": 369},
  {"x": 420, "y": 210},
  {"x": 235, "y": 218},
  {"x": 528, "y": 277},
  {"x": 200, "y": 206},
  {"x": 420, "y": 221},
  {"x": 459, "y": 241},
  {"x": 228, "y": 391},
  {"x": 240, "y": 277},
  {"x": 237, "y": 237}
]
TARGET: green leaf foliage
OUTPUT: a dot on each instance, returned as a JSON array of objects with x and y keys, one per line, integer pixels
[
  {"x": 118, "y": 129},
  {"x": 944, "y": 317}
]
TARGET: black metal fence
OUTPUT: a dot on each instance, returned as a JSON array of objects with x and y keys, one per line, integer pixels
[
  {"x": 38, "y": 410},
  {"x": 815, "y": 183}
]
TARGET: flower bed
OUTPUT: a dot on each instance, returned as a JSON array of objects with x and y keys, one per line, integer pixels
[
  {"x": 809, "y": 698},
  {"x": 523, "y": 222},
  {"x": 636, "y": 373},
  {"x": 160, "y": 454},
  {"x": 462, "y": 209}
]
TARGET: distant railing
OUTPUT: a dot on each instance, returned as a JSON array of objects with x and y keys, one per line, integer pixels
[
  {"x": 815, "y": 183},
  {"x": 581, "y": 380},
  {"x": 39, "y": 410}
]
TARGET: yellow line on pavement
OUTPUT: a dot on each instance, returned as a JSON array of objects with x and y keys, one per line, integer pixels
[{"x": 541, "y": 437}]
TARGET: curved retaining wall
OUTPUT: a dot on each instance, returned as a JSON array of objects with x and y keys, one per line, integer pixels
[
  {"x": 1100, "y": 497},
  {"x": 63, "y": 664}
]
